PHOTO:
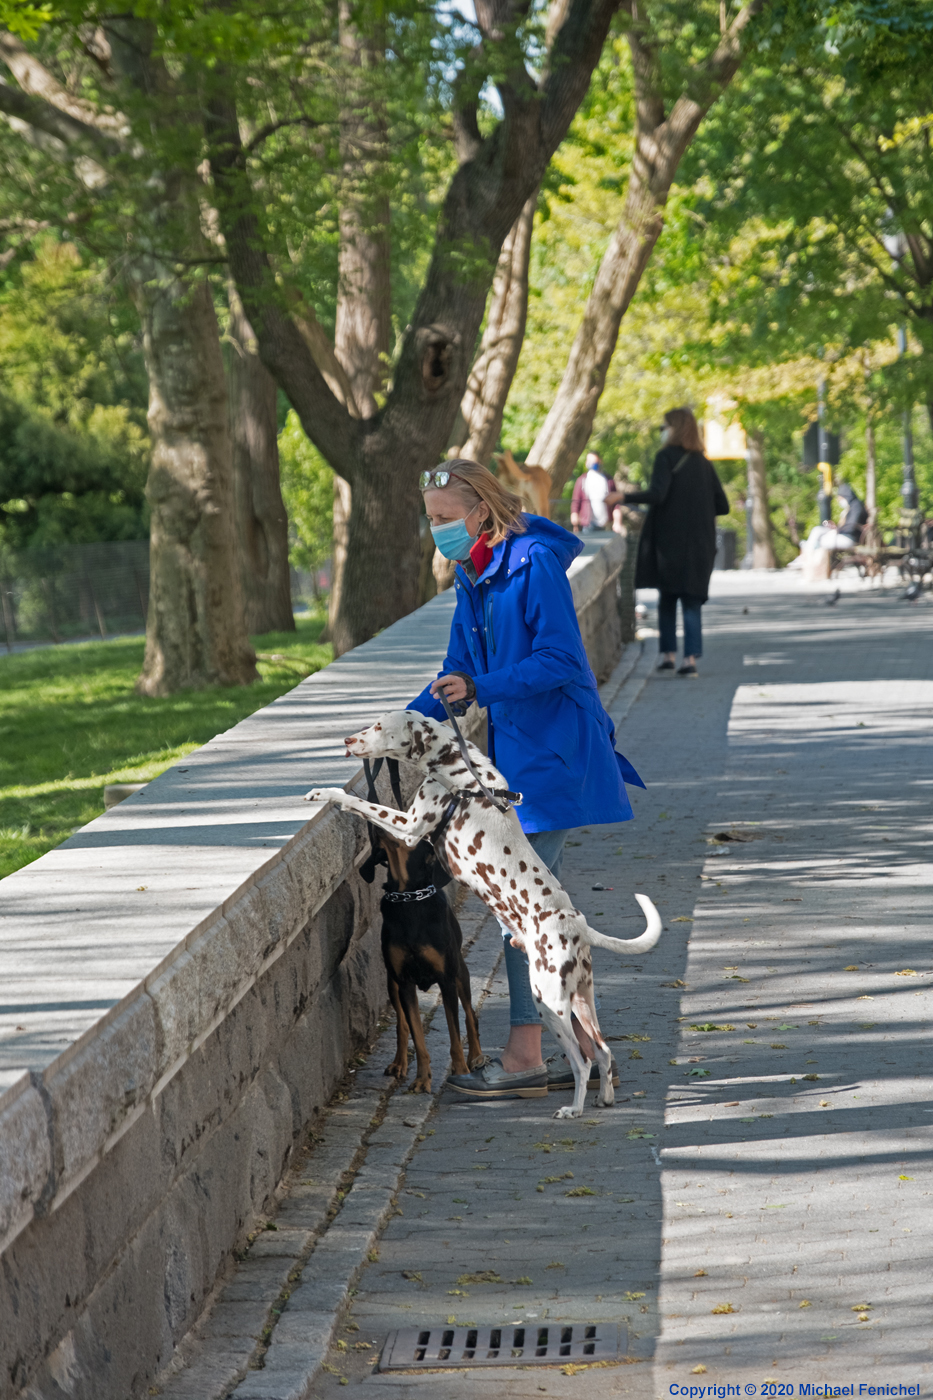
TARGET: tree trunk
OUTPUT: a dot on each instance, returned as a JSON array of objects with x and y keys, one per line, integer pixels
[
  {"x": 261, "y": 518},
  {"x": 339, "y": 557},
  {"x": 762, "y": 547},
  {"x": 660, "y": 144},
  {"x": 195, "y": 634},
  {"x": 483, "y": 405},
  {"x": 363, "y": 329}
]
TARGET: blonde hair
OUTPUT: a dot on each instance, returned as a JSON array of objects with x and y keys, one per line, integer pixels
[
  {"x": 684, "y": 429},
  {"x": 474, "y": 484}
]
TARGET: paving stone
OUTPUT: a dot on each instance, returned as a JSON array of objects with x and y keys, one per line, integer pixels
[{"x": 228, "y": 1319}]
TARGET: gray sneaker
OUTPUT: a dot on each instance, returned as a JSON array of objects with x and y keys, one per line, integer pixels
[
  {"x": 493, "y": 1082},
  {"x": 560, "y": 1075}
]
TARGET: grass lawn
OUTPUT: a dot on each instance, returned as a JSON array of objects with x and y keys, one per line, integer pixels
[{"x": 70, "y": 722}]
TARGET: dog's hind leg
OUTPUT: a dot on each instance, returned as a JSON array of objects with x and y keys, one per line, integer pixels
[
  {"x": 559, "y": 1026},
  {"x": 409, "y": 996},
  {"x": 399, "y": 1066},
  {"x": 585, "y": 1012},
  {"x": 452, "y": 1012},
  {"x": 475, "y": 1056}
]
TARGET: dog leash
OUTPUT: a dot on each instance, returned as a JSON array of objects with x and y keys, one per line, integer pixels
[
  {"x": 499, "y": 797},
  {"x": 372, "y": 773}
]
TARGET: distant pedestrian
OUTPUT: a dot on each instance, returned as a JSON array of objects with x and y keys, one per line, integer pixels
[
  {"x": 594, "y": 495},
  {"x": 846, "y": 535},
  {"x": 678, "y": 539}
]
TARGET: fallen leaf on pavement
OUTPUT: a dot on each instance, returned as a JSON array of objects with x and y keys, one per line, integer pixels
[
  {"x": 907, "y": 972},
  {"x": 723, "y": 1308},
  {"x": 805, "y": 1304},
  {"x": 698, "y": 1371}
]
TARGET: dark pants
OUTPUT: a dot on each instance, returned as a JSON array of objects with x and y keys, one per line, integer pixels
[{"x": 667, "y": 623}]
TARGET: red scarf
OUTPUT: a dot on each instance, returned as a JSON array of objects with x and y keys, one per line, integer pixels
[{"x": 481, "y": 554}]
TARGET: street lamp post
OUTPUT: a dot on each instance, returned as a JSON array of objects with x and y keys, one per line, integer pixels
[{"x": 909, "y": 495}]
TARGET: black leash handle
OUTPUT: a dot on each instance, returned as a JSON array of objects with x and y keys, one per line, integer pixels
[{"x": 504, "y": 799}]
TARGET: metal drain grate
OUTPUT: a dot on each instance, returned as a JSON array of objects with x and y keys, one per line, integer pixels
[{"x": 415, "y": 1348}]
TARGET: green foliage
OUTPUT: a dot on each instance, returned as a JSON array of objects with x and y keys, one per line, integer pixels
[
  {"x": 308, "y": 492},
  {"x": 73, "y": 441},
  {"x": 70, "y": 722},
  {"x": 23, "y": 19}
]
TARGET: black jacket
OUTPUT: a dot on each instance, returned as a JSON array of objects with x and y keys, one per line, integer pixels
[{"x": 678, "y": 539}]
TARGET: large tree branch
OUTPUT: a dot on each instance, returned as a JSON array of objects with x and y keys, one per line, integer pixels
[
  {"x": 282, "y": 348},
  {"x": 660, "y": 143},
  {"x": 35, "y": 80},
  {"x": 42, "y": 116}
]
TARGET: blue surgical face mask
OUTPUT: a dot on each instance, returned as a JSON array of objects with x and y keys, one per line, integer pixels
[{"x": 453, "y": 539}]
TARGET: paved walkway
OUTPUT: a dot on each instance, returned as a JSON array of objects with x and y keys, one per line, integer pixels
[{"x": 756, "y": 1208}]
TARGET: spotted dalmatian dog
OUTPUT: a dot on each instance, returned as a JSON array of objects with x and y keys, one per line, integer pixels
[{"x": 486, "y": 849}]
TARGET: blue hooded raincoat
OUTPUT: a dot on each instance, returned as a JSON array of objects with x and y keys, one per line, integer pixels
[{"x": 516, "y": 633}]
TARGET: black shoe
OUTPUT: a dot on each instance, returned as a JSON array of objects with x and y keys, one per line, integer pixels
[
  {"x": 665, "y": 665},
  {"x": 491, "y": 1081},
  {"x": 687, "y": 671}
]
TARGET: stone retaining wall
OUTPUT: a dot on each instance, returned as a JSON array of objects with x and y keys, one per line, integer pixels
[{"x": 184, "y": 981}]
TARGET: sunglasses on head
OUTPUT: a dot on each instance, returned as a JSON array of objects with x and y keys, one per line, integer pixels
[{"x": 440, "y": 477}]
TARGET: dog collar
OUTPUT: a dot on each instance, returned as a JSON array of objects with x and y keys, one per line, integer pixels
[{"x": 407, "y": 896}]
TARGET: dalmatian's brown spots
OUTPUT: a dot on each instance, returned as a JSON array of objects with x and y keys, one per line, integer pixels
[
  {"x": 506, "y": 851},
  {"x": 524, "y": 894},
  {"x": 539, "y": 882},
  {"x": 478, "y": 839},
  {"x": 522, "y": 866},
  {"x": 559, "y": 1012},
  {"x": 563, "y": 941},
  {"x": 383, "y": 813},
  {"x": 512, "y": 883},
  {"x": 566, "y": 968},
  {"x": 546, "y": 891}
]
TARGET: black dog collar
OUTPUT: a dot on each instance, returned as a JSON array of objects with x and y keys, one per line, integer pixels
[{"x": 407, "y": 896}]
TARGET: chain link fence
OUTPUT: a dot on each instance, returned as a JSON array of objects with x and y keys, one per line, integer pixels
[{"x": 62, "y": 592}]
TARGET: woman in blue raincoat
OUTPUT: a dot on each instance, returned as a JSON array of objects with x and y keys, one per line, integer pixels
[{"x": 515, "y": 648}]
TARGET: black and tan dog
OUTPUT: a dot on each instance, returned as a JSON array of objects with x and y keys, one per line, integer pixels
[{"x": 422, "y": 945}]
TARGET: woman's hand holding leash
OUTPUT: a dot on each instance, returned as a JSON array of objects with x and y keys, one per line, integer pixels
[{"x": 456, "y": 686}]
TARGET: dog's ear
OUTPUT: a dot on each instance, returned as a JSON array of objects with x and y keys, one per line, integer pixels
[
  {"x": 377, "y": 856},
  {"x": 439, "y": 876}
]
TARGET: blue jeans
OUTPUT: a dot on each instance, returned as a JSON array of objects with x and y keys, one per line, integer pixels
[
  {"x": 667, "y": 623},
  {"x": 522, "y": 1009}
]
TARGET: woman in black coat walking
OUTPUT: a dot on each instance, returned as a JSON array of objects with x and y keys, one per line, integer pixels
[{"x": 678, "y": 539}]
